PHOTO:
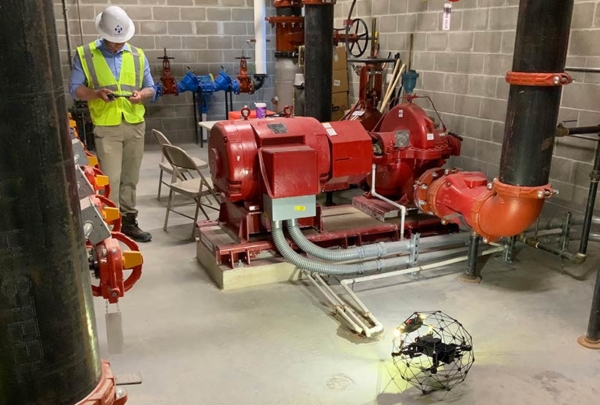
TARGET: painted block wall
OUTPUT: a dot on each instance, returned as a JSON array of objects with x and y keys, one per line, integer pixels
[
  {"x": 463, "y": 71},
  {"x": 201, "y": 34}
]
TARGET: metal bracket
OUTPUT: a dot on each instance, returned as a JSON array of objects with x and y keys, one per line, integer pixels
[
  {"x": 507, "y": 255},
  {"x": 413, "y": 259},
  {"x": 84, "y": 187},
  {"x": 565, "y": 234},
  {"x": 95, "y": 229},
  {"x": 79, "y": 155}
]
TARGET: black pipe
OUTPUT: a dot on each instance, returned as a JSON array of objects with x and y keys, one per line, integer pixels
[
  {"x": 583, "y": 130},
  {"x": 259, "y": 81},
  {"x": 540, "y": 47},
  {"x": 48, "y": 345},
  {"x": 473, "y": 255},
  {"x": 591, "y": 202},
  {"x": 582, "y": 69},
  {"x": 593, "y": 331},
  {"x": 318, "y": 38},
  {"x": 565, "y": 254}
]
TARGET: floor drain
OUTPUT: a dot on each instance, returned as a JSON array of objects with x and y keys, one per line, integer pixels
[{"x": 339, "y": 382}]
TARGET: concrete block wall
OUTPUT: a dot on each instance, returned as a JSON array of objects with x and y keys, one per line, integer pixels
[
  {"x": 201, "y": 34},
  {"x": 463, "y": 71}
]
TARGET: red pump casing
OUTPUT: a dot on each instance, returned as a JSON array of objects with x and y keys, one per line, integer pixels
[{"x": 407, "y": 144}]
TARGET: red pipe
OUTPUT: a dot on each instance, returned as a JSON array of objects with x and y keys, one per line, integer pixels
[{"x": 494, "y": 210}]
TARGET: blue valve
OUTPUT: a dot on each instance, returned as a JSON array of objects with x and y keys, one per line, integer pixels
[{"x": 409, "y": 81}]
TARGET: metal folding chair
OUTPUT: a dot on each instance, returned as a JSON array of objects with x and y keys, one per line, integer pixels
[
  {"x": 164, "y": 165},
  {"x": 188, "y": 181}
]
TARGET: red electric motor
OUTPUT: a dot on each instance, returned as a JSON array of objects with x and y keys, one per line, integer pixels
[{"x": 287, "y": 157}]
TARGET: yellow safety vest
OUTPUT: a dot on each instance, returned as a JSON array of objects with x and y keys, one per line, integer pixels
[{"x": 99, "y": 75}]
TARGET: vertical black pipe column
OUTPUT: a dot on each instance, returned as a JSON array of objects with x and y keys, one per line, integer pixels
[
  {"x": 318, "y": 71},
  {"x": 592, "y": 339},
  {"x": 540, "y": 47},
  {"x": 591, "y": 202},
  {"x": 471, "y": 275},
  {"x": 48, "y": 343}
]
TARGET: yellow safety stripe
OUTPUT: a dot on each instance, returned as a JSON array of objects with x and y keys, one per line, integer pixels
[
  {"x": 89, "y": 60},
  {"x": 137, "y": 64}
]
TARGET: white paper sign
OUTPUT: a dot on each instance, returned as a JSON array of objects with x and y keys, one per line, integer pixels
[{"x": 447, "y": 17}]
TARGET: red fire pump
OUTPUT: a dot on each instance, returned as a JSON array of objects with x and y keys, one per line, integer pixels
[{"x": 294, "y": 157}]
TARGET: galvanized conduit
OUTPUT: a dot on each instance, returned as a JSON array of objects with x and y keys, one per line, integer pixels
[
  {"x": 376, "y": 250},
  {"x": 328, "y": 268},
  {"x": 360, "y": 252},
  {"x": 353, "y": 268},
  {"x": 364, "y": 322}
]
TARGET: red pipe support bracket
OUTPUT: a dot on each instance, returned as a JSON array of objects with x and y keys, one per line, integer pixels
[
  {"x": 106, "y": 391},
  {"x": 319, "y": 2},
  {"x": 538, "y": 79},
  {"x": 494, "y": 210}
]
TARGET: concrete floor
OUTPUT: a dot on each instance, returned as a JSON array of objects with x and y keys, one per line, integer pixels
[{"x": 277, "y": 344}]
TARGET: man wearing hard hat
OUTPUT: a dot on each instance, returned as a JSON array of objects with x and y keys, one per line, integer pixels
[{"x": 114, "y": 78}]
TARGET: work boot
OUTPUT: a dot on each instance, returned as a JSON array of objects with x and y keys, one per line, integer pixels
[{"x": 130, "y": 228}]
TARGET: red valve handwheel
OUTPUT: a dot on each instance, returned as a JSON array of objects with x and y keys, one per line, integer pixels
[
  {"x": 136, "y": 272},
  {"x": 112, "y": 286}
]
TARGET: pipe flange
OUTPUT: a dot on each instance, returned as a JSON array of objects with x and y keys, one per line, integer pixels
[
  {"x": 424, "y": 187},
  {"x": 286, "y": 19},
  {"x": 287, "y": 3},
  {"x": 588, "y": 344},
  {"x": 509, "y": 190},
  {"x": 319, "y": 2},
  {"x": 106, "y": 392},
  {"x": 467, "y": 278}
]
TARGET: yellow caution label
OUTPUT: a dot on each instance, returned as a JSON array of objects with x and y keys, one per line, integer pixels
[{"x": 300, "y": 208}]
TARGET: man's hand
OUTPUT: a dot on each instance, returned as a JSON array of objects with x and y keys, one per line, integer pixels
[
  {"x": 136, "y": 98},
  {"x": 103, "y": 94}
]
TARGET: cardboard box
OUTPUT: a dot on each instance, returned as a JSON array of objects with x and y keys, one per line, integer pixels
[
  {"x": 340, "y": 81},
  {"x": 340, "y": 60},
  {"x": 339, "y": 105}
]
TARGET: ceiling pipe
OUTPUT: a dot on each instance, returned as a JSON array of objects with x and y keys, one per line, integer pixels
[
  {"x": 318, "y": 63},
  {"x": 510, "y": 204},
  {"x": 48, "y": 345},
  {"x": 260, "y": 35}
]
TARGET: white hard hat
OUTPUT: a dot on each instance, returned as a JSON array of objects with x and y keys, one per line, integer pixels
[{"x": 114, "y": 25}]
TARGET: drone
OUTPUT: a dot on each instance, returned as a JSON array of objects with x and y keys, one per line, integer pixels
[{"x": 432, "y": 351}]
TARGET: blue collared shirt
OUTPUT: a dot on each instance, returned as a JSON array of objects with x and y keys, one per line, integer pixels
[{"x": 114, "y": 60}]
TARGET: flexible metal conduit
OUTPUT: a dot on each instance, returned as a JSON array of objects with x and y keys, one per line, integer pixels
[{"x": 376, "y": 250}]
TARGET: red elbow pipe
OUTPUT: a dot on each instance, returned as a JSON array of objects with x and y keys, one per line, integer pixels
[{"x": 493, "y": 209}]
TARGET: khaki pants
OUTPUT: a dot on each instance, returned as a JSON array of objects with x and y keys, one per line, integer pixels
[{"x": 120, "y": 151}]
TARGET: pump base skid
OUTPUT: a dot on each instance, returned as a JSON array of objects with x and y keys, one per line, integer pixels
[{"x": 234, "y": 265}]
